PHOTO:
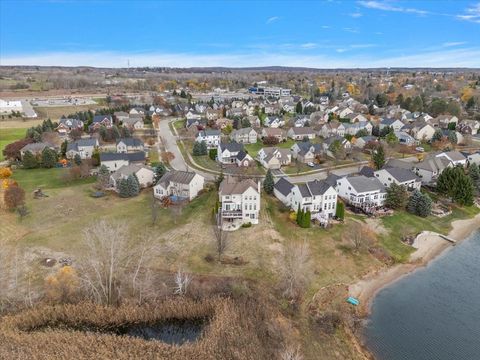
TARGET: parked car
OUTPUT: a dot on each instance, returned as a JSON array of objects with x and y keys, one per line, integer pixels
[
  {"x": 420, "y": 149},
  {"x": 311, "y": 164}
]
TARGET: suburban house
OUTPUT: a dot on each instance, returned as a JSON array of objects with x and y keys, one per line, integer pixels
[
  {"x": 82, "y": 147},
  {"x": 210, "y": 136},
  {"x": 243, "y": 159},
  {"x": 212, "y": 114},
  {"x": 429, "y": 169},
  {"x": 364, "y": 140},
  {"x": 137, "y": 110},
  {"x": 101, "y": 120},
  {"x": 114, "y": 161},
  {"x": 66, "y": 125},
  {"x": 36, "y": 148},
  {"x": 314, "y": 196},
  {"x": 361, "y": 191},
  {"x": 305, "y": 151},
  {"x": 343, "y": 111},
  {"x": 273, "y": 132},
  {"x": 121, "y": 116},
  {"x": 195, "y": 123},
  {"x": 283, "y": 191},
  {"x": 181, "y": 184},
  {"x": 239, "y": 202},
  {"x": 444, "y": 120},
  {"x": 474, "y": 158},
  {"x": 423, "y": 131},
  {"x": 470, "y": 127},
  {"x": 332, "y": 128},
  {"x": 227, "y": 152},
  {"x": 395, "y": 124},
  {"x": 134, "y": 122},
  {"x": 125, "y": 145},
  {"x": 274, "y": 158},
  {"x": 455, "y": 157},
  {"x": 244, "y": 136},
  {"x": 355, "y": 117},
  {"x": 143, "y": 173},
  {"x": 344, "y": 143},
  {"x": 300, "y": 133},
  {"x": 399, "y": 176},
  {"x": 405, "y": 139},
  {"x": 273, "y": 122},
  {"x": 353, "y": 129},
  {"x": 192, "y": 115}
]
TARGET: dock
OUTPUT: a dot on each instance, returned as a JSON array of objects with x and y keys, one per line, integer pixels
[{"x": 453, "y": 241}]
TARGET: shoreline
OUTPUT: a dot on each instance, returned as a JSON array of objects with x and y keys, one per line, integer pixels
[{"x": 430, "y": 246}]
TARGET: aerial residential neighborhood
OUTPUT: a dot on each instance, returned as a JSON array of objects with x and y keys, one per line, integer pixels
[{"x": 228, "y": 181}]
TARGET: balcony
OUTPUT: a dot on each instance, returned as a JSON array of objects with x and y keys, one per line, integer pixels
[{"x": 232, "y": 214}]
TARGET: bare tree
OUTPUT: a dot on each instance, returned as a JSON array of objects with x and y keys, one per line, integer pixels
[
  {"x": 221, "y": 237},
  {"x": 182, "y": 281},
  {"x": 112, "y": 263},
  {"x": 360, "y": 236},
  {"x": 295, "y": 269},
  {"x": 154, "y": 209}
]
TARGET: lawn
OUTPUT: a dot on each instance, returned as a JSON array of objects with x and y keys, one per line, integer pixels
[
  {"x": 8, "y": 136},
  {"x": 179, "y": 124},
  {"x": 31, "y": 179},
  {"x": 55, "y": 112},
  {"x": 253, "y": 149},
  {"x": 403, "y": 223}
]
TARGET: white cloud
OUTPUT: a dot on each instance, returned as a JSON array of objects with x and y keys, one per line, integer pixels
[
  {"x": 356, "y": 14},
  {"x": 454, "y": 43},
  {"x": 463, "y": 57},
  {"x": 309, "y": 45},
  {"x": 351, "y": 30},
  {"x": 326, "y": 27},
  {"x": 471, "y": 14},
  {"x": 272, "y": 19},
  {"x": 377, "y": 5}
]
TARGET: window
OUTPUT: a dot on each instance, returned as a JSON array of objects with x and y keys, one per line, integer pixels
[{"x": 325, "y": 207}]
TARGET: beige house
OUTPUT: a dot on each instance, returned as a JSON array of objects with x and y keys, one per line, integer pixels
[{"x": 181, "y": 184}]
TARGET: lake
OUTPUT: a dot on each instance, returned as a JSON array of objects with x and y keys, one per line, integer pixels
[{"x": 433, "y": 313}]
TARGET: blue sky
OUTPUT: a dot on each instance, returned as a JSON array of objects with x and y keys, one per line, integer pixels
[{"x": 325, "y": 34}]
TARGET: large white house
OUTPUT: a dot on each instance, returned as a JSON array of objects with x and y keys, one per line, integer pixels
[
  {"x": 244, "y": 136},
  {"x": 399, "y": 176},
  {"x": 114, "y": 161},
  {"x": 314, "y": 196},
  {"x": 129, "y": 145},
  {"x": 455, "y": 157},
  {"x": 274, "y": 158},
  {"x": 210, "y": 136},
  {"x": 227, "y": 153},
  {"x": 181, "y": 184},
  {"x": 361, "y": 191},
  {"x": 9, "y": 106},
  {"x": 239, "y": 202}
]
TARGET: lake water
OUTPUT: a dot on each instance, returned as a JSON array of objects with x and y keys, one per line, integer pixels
[{"x": 432, "y": 314}]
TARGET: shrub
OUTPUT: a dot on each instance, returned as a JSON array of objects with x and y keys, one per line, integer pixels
[{"x": 247, "y": 225}]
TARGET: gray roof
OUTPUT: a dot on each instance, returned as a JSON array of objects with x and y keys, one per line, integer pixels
[
  {"x": 304, "y": 190},
  {"x": 176, "y": 176},
  {"x": 127, "y": 170},
  {"x": 332, "y": 179},
  {"x": 363, "y": 184},
  {"x": 100, "y": 118},
  {"x": 302, "y": 130},
  {"x": 367, "y": 171},
  {"x": 242, "y": 131},
  {"x": 130, "y": 141},
  {"x": 71, "y": 122},
  {"x": 433, "y": 164},
  {"x": 397, "y": 163},
  {"x": 35, "y": 147},
  {"x": 401, "y": 175},
  {"x": 232, "y": 147},
  {"x": 317, "y": 187},
  {"x": 138, "y": 156},
  {"x": 209, "y": 132},
  {"x": 74, "y": 146},
  {"x": 455, "y": 155},
  {"x": 231, "y": 187},
  {"x": 283, "y": 186}
]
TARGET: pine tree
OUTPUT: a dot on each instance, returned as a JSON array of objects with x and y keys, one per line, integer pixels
[
  {"x": 464, "y": 191},
  {"x": 123, "y": 188},
  {"x": 299, "y": 215},
  {"x": 419, "y": 204},
  {"x": 203, "y": 148},
  {"x": 474, "y": 173},
  {"x": 437, "y": 135},
  {"x": 298, "y": 108},
  {"x": 103, "y": 177},
  {"x": 49, "y": 158},
  {"x": 63, "y": 149},
  {"x": 196, "y": 151},
  {"x": 268, "y": 183},
  {"x": 77, "y": 159},
  {"x": 133, "y": 185},
  {"x": 397, "y": 196},
  {"x": 159, "y": 171},
  {"x": 307, "y": 219},
  {"x": 454, "y": 183},
  {"x": 340, "y": 212},
  {"x": 378, "y": 157},
  {"x": 29, "y": 160}
]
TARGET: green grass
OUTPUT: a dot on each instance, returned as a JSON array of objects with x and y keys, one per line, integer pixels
[
  {"x": 179, "y": 124},
  {"x": 31, "y": 179},
  {"x": 153, "y": 155},
  {"x": 8, "y": 136},
  {"x": 253, "y": 149},
  {"x": 403, "y": 223}
]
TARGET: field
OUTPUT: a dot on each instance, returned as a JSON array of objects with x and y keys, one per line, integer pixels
[
  {"x": 55, "y": 112},
  {"x": 253, "y": 149},
  {"x": 8, "y": 136}
]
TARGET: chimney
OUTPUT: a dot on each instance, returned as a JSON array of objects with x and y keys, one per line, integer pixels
[{"x": 259, "y": 186}]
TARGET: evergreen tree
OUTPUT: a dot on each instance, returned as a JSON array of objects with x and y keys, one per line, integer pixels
[
  {"x": 464, "y": 192},
  {"x": 203, "y": 148},
  {"x": 474, "y": 173},
  {"x": 299, "y": 215},
  {"x": 419, "y": 204},
  {"x": 103, "y": 177},
  {"x": 454, "y": 183},
  {"x": 340, "y": 212},
  {"x": 77, "y": 159},
  {"x": 378, "y": 157},
  {"x": 29, "y": 160},
  {"x": 123, "y": 188},
  {"x": 199, "y": 148},
  {"x": 159, "y": 171},
  {"x": 268, "y": 183},
  {"x": 452, "y": 137},
  {"x": 49, "y": 158},
  {"x": 397, "y": 196},
  {"x": 298, "y": 108},
  {"x": 437, "y": 135},
  {"x": 63, "y": 148},
  {"x": 307, "y": 219}
]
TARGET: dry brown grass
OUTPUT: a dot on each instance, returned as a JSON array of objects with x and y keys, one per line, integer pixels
[{"x": 237, "y": 329}]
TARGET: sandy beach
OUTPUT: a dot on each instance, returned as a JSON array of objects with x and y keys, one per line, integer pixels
[{"x": 429, "y": 245}]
